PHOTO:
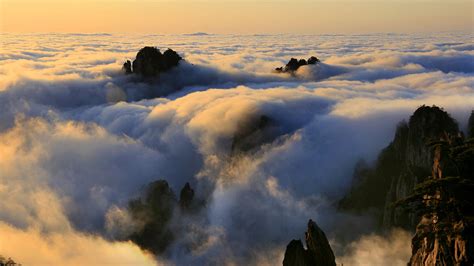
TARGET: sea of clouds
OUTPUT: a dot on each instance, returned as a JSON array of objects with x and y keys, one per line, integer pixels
[{"x": 78, "y": 139}]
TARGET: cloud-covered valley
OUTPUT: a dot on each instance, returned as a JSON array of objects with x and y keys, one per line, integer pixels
[{"x": 79, "y": 139}]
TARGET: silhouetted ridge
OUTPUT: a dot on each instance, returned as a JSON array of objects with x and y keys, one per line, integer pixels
[
  {"x": 150, "y": 62},
  {"x": 318, "y": 250},
  {"x": 294, "y": 64}
]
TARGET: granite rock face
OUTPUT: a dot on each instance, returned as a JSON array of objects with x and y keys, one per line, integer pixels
[
  {"x": 444, "y": 234},
  {"x": 453, "y": 245},
  {"x": 318, "y": 250}
]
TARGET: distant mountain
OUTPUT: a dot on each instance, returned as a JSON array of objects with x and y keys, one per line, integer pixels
[
  {"x": 150, "y": 62},
  {"x": 197, "y": 34},
  {"x": 294, "y": 64}
]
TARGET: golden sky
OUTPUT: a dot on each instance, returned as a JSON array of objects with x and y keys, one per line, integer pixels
[{"x": 244, "y": 16}]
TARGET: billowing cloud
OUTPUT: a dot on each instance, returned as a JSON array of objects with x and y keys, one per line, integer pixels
[
  {"x": 32, "y": 247},
  {"x": 78, "y": 139},
  {"x": 392, "y": 249}
]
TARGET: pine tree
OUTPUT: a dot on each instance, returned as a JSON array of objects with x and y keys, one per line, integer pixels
[{"x": 444, "y": 202}]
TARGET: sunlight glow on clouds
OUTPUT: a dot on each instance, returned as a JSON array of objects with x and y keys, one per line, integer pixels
[{"x": 73, "y": 151}]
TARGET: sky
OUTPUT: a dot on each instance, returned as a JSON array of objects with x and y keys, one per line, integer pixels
[{"x": 240, "y": 17}]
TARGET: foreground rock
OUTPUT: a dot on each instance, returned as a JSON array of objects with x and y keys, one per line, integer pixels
[
  {"x": 150, "y": 62},
  {"x": 294, "y": 64},
  {"x": 318, "y": 250},
  {"x": 403, "y": 164},
  {"x": 424, "y": 179}
]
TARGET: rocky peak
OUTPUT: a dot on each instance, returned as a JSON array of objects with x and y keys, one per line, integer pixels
[
  {"x": 150, "y": 62},
  {"x": 318, "y": 250},
  {"x": 160, "y": 196},
  {"x": 294, "y": 64},
  {"x": 153, "y": 211},
  {"x": 186, "y": 197},
  {"x": 427, "y": 123}
]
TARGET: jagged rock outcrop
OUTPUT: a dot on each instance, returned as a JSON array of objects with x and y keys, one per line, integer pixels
[
  {"x": 294, "y": 64},
  {"x": 150, "y": 62},
  {"x": 154, "y": 211},
  {"x": 127, "y": 67},
  {"x": 186, "y": 197},
  {"x": 318, "y": 250},
  {"x": 404, "y": 163}
]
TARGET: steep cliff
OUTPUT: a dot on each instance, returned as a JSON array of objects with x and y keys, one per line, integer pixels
[
  {"x": 405, "y": 162},
  {"x": 444, "y": 234}
]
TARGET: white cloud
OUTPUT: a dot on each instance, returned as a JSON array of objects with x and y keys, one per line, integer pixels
[{"x": 73, "y": 151}]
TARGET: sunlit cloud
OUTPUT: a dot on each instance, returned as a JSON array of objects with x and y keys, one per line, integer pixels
[{"x": 78, "y": 139}]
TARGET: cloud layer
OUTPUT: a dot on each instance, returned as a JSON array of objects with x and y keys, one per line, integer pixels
[{"x": 78, "y": 139}]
